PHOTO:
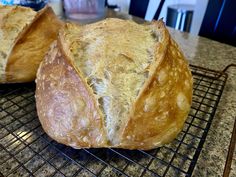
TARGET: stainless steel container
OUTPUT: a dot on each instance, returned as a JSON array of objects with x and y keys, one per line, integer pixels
[{"x": 180, "y": 16}]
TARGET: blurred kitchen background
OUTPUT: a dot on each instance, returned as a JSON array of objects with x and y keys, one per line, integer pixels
[
  {"x": 214, "y": 19},
  {"x": 148, "y": 8}
]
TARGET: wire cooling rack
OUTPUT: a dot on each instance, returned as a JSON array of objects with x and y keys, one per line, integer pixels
[{"x": 25, "y": 149}]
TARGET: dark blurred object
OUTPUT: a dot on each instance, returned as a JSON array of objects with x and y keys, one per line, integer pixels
[
  {"x": 180, "y": 16},
  {"x": 34, "y": 4},
  {"x": 219, "y": 22},
  {"x": 114, "y": 7},
  {"x": 139, "y": 8}
]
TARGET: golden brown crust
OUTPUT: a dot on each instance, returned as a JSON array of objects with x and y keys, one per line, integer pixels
[
  {"x": 4, "y": 10},
  {"x": 155, "y": 117},
  {"x": 69, "y": 101},
  {"x": 13, "y": 21},
  {"x": 31, "y": 46},
  {"x": 164, "y": 102}
]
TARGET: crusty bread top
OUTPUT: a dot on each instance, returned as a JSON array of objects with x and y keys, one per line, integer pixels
[
  {"x": 116, "y": 66},
  {"x": 13, "y": 19},
  {"x": 129, "y": 83}
]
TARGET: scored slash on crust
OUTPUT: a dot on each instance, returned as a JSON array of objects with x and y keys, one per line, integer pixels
[{"x": 105, "y": 89}]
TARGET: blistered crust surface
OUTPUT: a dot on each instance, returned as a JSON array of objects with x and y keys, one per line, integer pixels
[
  {"x": 161, "y": 110},
  {"x": 65, "y": 107},
  {"x": 154, "y": 117}
]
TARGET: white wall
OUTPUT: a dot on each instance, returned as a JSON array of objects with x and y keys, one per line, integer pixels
[
  {"x": 199, "y": 11},
  {"x": 198, "y": 15},
  {"x": 123, "y": 4},
  {"x": 152, "y": 7}
]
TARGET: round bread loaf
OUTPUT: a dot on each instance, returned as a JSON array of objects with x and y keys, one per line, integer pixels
[
  {"x": 114, "y": 83},
  {"x": 25, "y": 37}
]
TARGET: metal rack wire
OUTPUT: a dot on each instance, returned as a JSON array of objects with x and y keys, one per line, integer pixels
[{"x": 25, "y": 149}]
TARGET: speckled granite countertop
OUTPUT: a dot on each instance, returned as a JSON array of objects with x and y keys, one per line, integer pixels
[
  {"x": 213, "y": 55},
  {"x": 199, "y": 51}
]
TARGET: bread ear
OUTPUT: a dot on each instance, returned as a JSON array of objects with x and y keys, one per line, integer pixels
[
  {"x": 164, "y": 101},
  {"x": 64, "y": 96}
]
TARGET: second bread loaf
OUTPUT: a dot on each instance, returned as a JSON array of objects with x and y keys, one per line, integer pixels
[{"x": 25, "y": 37}]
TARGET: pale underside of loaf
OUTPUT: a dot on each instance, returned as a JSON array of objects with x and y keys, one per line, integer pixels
[
  {"x": 127, "y": 82},
  {"x": 13, "y": 19}
]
